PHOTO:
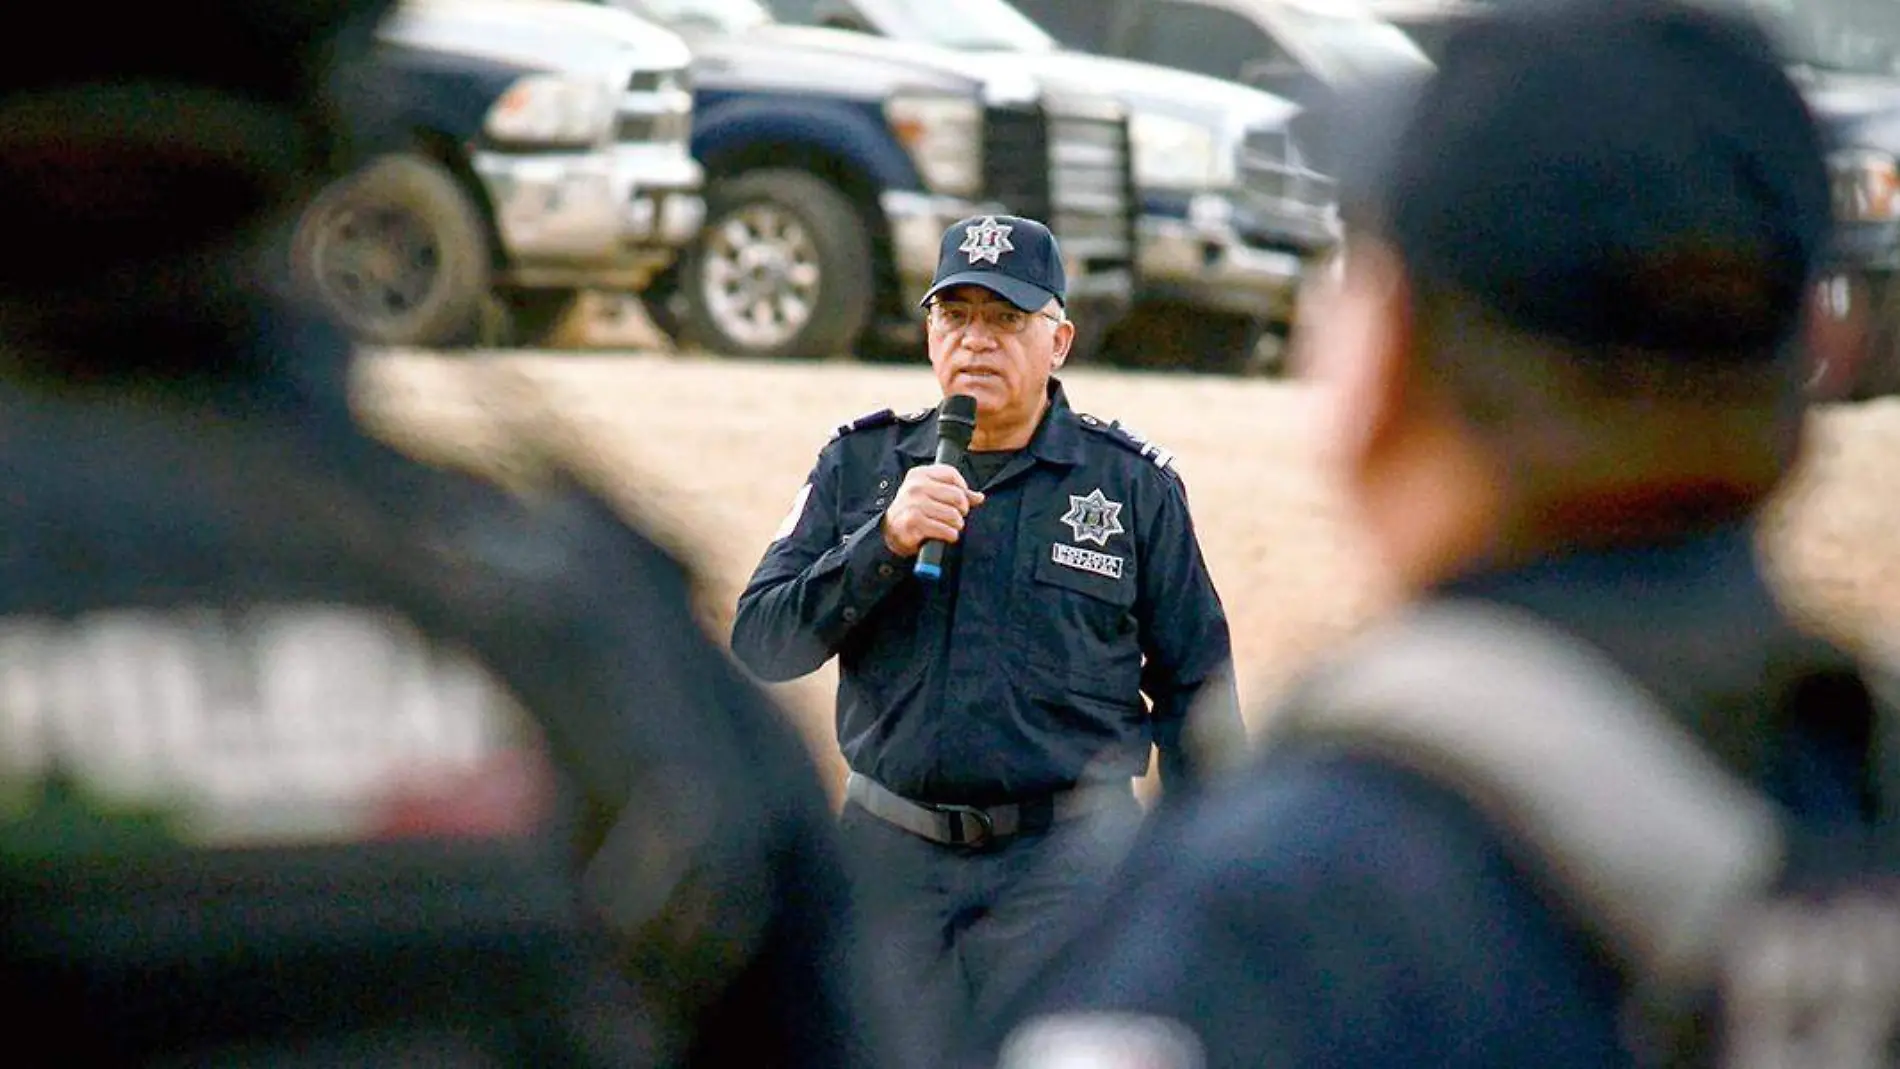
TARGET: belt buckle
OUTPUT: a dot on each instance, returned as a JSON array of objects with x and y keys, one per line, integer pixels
[{"x": 986, "y": 830}]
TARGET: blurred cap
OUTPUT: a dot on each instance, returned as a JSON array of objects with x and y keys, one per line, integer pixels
[
  {"x": 1012, "y": 257},
  {"x": 273, "y": 51},
  {"x": 1611, "y": 173},
  {"x": 132, "y": 133}
]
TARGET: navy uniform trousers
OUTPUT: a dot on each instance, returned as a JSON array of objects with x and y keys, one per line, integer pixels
[{"x": 954, "y": 932}]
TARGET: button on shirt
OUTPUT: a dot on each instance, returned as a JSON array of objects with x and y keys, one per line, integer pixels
[{"x": 1075, "y": 624}]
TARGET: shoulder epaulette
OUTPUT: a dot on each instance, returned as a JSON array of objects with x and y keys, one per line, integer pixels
[
  {"x": 1128, "y": 438},
  {"x": 883, "y": 417}
]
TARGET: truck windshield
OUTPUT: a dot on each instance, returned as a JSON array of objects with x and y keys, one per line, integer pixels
[
  {"x": 1348, "y": 44},
  {"x": 967, "y": 25},
  {"x": 1843, "y": 36},
  {"x": 1834, "y": 36},
  {"x": 725, "y": 16}
]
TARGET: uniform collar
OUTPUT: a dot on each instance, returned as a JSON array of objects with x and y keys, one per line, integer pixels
[
  {"x": 1058, "y": 438},
  {"x": 1692, "y": 618},
  {"x": 1716, "y": 558}
]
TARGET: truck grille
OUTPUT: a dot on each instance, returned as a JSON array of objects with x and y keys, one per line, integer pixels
[
  {"x": 660, "y": 81},
  {"x": 1068, "y": 165},
  {"x": 655, "y": 106},
  {"x": 1274, "y": 175},
  {"x": 665, "y": 126}
]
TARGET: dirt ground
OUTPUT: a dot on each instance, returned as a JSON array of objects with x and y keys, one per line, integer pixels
[{"x": 711, "y": 452}]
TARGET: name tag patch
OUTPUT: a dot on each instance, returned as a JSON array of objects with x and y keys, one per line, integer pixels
[
  {"x": 1087, "y": 560},
  {"x": 273, "y": 725}
]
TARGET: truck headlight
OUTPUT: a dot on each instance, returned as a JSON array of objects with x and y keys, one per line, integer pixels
[
  {"x": 944, "y": 136},
  {"x": 1173, "y": 153},
  {"x": 551, "y": 110},
  {"x": 1866, "y": 186}
]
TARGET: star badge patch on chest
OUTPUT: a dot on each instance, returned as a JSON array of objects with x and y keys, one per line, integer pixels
[
  {"x": 987, "y": 240},
  {"x": 1093, "y": 518}
]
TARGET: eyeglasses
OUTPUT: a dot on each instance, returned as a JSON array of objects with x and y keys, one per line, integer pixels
[{"x": 952, "y": 316}]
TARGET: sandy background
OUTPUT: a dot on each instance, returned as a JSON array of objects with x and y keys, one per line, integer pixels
[{"x": 711, "y": 452}]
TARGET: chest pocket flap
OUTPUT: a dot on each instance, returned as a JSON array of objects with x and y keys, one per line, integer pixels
[{"x": 1106, "y": 577}]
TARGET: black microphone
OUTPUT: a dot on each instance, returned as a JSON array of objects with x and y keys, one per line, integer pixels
[{"x": 956, "y": 422}]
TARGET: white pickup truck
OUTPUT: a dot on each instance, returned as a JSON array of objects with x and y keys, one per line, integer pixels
[{"x": 520, "y": 152}]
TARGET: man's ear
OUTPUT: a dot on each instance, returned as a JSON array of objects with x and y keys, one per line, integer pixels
[
  {"x": 1064, "y": 339},
  {"x": 1354, "y": 343}
]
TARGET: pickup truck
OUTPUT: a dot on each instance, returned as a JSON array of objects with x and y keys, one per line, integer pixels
[
  {"x": 1307, "y": 51},
  {"x": 835, "y": 162},
  {"x": 521, "y": 151},
  {"x": 1230, "y": 215}
]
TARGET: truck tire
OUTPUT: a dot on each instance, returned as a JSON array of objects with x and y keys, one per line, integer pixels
[
  {"x": 1172, "y": 336},
  {"x": 1090, "y": 335},
  {"x": 1878, "y": 373},
  {"x": 782, "y": 269},
  {"x": 542, "y": 319},
  {"x": 397, "y": 252},
  {"x": 665, "y": 301},
  {"x": 1838, "y": 337}
]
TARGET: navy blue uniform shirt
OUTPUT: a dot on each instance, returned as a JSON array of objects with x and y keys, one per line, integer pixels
[
  {"x": 1334, "y": 910},
  {"x": 221, "y": 601},
  {"x": 1078, "y": 587}
]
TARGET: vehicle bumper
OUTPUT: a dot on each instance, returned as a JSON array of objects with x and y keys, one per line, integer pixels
[
  {"x": 1216, "y": 259},
  {"x": 917, "y": 222},
  {"x": 607, "y": 219}
]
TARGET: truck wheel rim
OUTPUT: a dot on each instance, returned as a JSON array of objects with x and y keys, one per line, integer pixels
[
  {"x": 375, "y": 265},
  {"x": 760, "y": 276}
]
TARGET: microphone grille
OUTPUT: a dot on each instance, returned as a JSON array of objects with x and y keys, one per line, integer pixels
[{"x": 956, "y": 417}]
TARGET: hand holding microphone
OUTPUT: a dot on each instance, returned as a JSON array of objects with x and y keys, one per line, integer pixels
[{"x": 928, "y": 509}]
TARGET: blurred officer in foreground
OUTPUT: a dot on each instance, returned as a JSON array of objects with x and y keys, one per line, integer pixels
[
  {"x": 309, "y": 752},
  {"x": 993, "y": 714},
  {"x": 1539, "y": 817}
]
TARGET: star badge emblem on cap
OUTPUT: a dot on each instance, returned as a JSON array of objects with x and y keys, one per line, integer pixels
[{"x": 987, "y": 240}]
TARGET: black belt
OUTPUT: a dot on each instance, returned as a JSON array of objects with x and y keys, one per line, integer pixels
[{"x": 969, "y": 825}]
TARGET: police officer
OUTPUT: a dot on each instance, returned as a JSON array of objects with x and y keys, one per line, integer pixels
[
  {"x": 993, "y": 717},
  {"x": 310, "y": 753},
  {"x": 1511, "y": 824}
]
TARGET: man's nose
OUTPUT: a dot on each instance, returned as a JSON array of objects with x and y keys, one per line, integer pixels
[{"x": 981, "y": 332}]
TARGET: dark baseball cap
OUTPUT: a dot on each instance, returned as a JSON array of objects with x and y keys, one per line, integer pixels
[
  {"x": 1612, "y": 173},
  {"x": 1015, "y": 258},
  {"x": 177, "y": 130},
  {"x": 275, "y": 51}
]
